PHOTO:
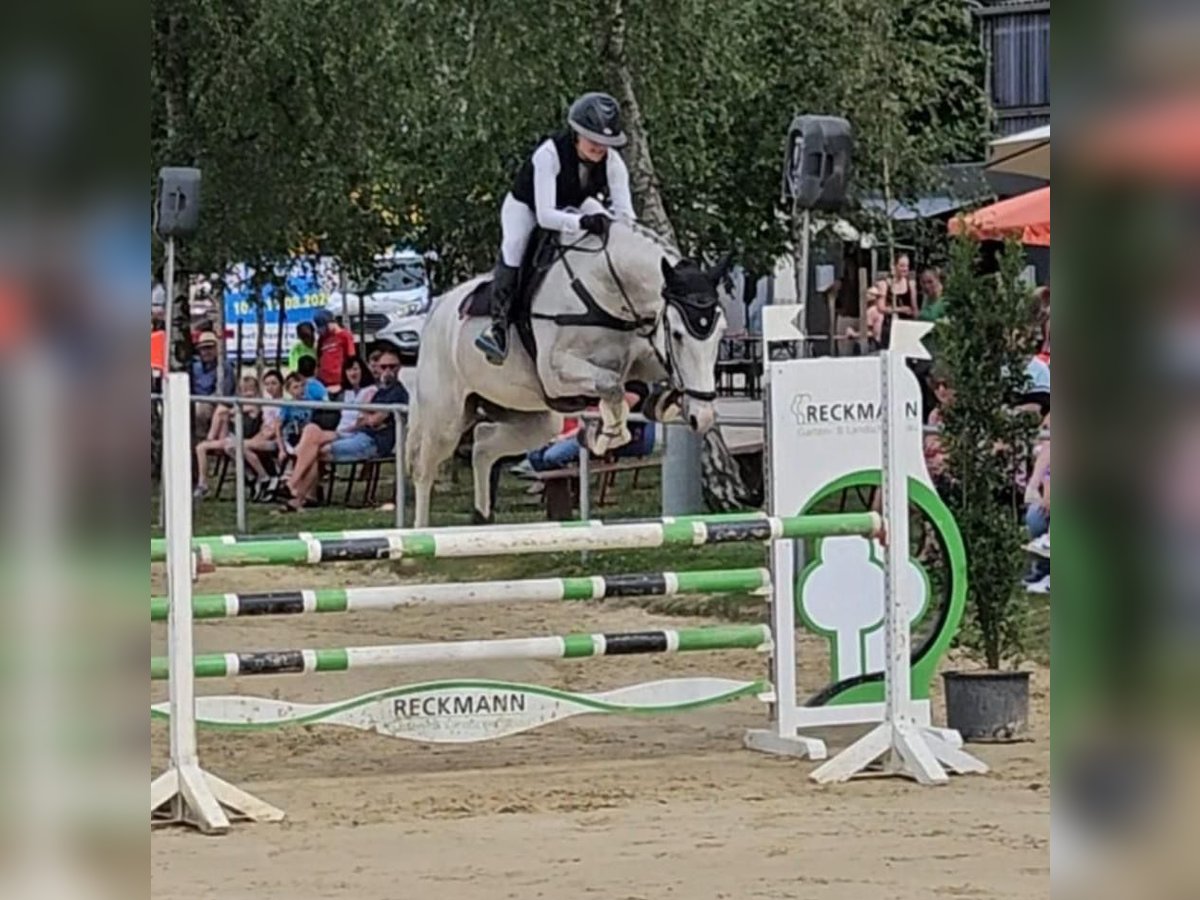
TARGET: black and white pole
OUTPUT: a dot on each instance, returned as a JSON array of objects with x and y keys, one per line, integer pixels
[
  {"x": 902, "y": 745},
  {"x": 185, "y": 793}
]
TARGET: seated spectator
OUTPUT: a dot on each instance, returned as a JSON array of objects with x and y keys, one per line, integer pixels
[
  {"x": 876, "y": 315},
  {"x": 306, "y": 345},
  {"x": 1036, "y": 395},
  {"x": 300, "y": 385},
  {"x": 204, "y": 373},
  {"x": 220, "y": 436},
  {"x": 373, "y": 435},
  {"x": 265, "y": 443},
  {"x": 357, "y": 387},
  {"x": 1037, "y": 520},
  {"x": 935, "y": 453},
  {"x": 373, "y": 363},
  {"x": 335, "y": 345},
  {"x": 564, "y": 450}
]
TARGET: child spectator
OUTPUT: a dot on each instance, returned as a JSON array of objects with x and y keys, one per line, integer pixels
[
  {"x": 265, "y": 443},
  {"x": 306, "y": 345},
  {"x": 219, "y": 433}
]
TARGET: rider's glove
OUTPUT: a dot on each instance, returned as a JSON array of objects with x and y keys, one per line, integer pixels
[{"x": 595, "y": 223}]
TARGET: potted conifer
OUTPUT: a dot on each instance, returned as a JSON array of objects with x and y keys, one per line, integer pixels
[{"x": 983, "y": 348}]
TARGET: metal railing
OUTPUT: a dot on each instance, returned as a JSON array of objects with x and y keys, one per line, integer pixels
[{"x": 400, "y": 412}]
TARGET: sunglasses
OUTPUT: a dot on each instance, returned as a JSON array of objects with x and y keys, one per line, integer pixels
[{"x": 387, "y": 367}]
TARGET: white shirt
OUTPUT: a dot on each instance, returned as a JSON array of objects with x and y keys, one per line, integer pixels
[{"x": 546, "y": 166}]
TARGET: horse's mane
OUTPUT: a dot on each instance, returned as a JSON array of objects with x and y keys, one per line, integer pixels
[{"x": 669, "y": 249}]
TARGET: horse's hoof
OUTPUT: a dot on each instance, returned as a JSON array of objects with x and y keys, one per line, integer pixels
[{"x": 478, "y": 518}]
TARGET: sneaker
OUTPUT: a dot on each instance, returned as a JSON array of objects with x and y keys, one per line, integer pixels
[
  {"x": 1041, "y": 586},
  {"x": 200, "y": 491},
  {"x": 1040, "y": 546},
  {"x": 523, "y": 469}
]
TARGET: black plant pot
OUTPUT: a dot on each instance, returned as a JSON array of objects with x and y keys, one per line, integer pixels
[{"x": 988, "y": 706}]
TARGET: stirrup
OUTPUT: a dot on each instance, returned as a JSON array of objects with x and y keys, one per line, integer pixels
[{"x": 491, "y": 348}]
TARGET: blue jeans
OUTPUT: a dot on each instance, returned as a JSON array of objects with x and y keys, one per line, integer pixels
[
  {"x": 1037, "y": 520},
  {"x": 353, "y": 447},
  {"x": 564, "y": 453}
]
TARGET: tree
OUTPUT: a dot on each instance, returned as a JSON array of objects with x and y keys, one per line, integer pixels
[{"x": 984, "y": 345}]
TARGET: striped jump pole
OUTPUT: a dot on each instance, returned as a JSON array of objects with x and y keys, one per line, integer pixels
[
  {"x": 571, "y": 646},
  {"x": 158, "y": 546},
  {"x": 695, "y": 532},
  {"x": 537, "y": 590}
]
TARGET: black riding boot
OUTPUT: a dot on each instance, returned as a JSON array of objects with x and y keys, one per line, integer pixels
[{"x": 494, "y": 341}]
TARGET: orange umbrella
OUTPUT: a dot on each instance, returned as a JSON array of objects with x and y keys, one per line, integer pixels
[{"x": 1025, "y": 217}]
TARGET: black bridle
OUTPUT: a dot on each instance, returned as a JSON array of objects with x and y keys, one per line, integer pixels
[{"x": 699, "y": 312}]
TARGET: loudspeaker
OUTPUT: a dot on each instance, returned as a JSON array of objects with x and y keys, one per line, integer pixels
[
  {"x": 178, "y": 201},
  {"x": 817, "y": 169}
]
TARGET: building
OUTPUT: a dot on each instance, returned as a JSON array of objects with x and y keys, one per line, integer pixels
[{"x": 1016, "y": 40}]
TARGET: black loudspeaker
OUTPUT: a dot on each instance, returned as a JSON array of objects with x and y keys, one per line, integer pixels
[
  {"x": 817, "y": 170},
  {"x": 178, "y": 201}
]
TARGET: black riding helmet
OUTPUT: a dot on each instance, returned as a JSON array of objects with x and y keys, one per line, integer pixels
[{"x": 597, "y": 117}]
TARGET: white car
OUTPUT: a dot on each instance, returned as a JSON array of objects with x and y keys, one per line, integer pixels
[
  {"x": 400, "y": 292},
  {"x": 403, "y": 333}
]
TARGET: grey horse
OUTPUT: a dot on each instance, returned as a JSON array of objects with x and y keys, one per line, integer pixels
[{"x": 664, "y": 325}]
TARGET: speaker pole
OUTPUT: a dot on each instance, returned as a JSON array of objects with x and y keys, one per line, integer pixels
[{"x": 169, "y": 277}]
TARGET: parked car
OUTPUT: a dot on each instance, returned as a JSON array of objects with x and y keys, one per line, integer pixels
[
  {"x": 400, "y": 290},
  {"x": 403, "y": 333}
]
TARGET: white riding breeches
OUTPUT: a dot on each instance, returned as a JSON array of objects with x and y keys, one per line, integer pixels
[{"x": 517, "y": 222}]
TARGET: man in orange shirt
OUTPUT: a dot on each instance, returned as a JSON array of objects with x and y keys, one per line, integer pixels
[{"x": 335, "y": 345}]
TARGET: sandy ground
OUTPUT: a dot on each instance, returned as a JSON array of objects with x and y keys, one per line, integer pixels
[{"x": 666, "y": 807}]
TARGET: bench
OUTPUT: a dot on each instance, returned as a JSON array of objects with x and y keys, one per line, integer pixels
[
  {"x": 561, "y": 494},
  {"x": 366, "y": 472}
]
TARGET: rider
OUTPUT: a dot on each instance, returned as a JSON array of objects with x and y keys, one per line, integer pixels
[{"x": 566, "y": 169}]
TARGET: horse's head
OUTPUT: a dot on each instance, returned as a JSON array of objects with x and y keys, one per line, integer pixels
[{"x": 687, "y": 337}]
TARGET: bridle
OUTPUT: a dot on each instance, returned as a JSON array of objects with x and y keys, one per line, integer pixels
[{"x": 700, "y": 314}]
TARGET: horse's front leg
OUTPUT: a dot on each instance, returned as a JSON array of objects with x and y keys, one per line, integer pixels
[{"x": 571, "y": 375}]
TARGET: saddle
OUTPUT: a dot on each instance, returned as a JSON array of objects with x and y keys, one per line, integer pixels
[
  {"x": 540, "y": 256},
  {"x": 543, "y": 252}
]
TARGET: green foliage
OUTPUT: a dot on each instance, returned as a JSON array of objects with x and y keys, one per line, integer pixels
[
  {"x": 352, "y": 124},
  {"x": 983, "y": 348}
]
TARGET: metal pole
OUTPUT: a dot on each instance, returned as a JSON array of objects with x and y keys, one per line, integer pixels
[
  {"x": 801, "y": 273},
  {"x": 585, "y": 499},
  {"x": 239, "y": 465},
  {"x": 169, "y": 287},
  {"x": 401, "y": 491},
  {"x": 169, "y": 276}
]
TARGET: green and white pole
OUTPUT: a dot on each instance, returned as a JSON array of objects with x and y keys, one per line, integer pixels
[
  {"x": 571, "y": 646},
  {"x": 158, "y": 546},
  {"x": 695, "y": 532},
  {"x": 537, "y": 590}
]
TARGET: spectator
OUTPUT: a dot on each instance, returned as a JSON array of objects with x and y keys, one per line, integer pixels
[
  {"x": 357, "y": 387},
  {"x": 265, "y": 443},
  {"x": 933, "y": 308},
  {"x": 876, "y": 315},
  {"x": 935, "y": 453},
  {"x": 564, "y": 450},
  {"x": 335, "y": 345},
  {"x": 373, "y": 435},
  {"x": 204, "y": 373},
  {"x": 373, "y": 363},
  {"x": 306, "y": 345},
  {"x": 903, "y": 300},
  {"x": 1037, "y": 520},
  {"x": 219, "y": 436},
  {"x": 300, "y": 385}
]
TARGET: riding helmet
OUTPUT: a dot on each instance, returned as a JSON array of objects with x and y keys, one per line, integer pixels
[{"x": 597, "y": 117}]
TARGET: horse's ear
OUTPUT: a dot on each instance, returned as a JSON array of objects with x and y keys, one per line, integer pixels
[
  {"x": 667, "y": 272},
  {"x": 717, "y": 272}
]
